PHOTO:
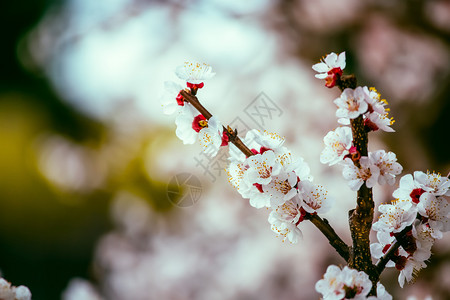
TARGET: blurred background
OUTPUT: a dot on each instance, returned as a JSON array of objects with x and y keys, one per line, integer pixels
[{"x": 87, "y": 157}]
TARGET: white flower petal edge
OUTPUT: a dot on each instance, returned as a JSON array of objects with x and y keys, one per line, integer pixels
[
  {"x": 285, "y": 219},
  {"x": 337, "y": 145},
  {"x": 315, "y": 197},
  {"x": 395, "y": 216},
  {"x": 436, "y": 212},
  {"x": 210, "y": 138},
  {"x": 184, "y": 120},
  {"x": 351, "y": 103},
  {"x": 382, "y": 294},
  {"x": 337, "y": 282},
  {"x": 387, "y": 164},
  {"x": 330, "y": 62},
  {"x": 168, "y": 99},
  {"x": 7, "y": 291},
  {"x": 194, "y": 72},
  {"x": 368, "y": 173},
  {"x": 262, "y": 167}
]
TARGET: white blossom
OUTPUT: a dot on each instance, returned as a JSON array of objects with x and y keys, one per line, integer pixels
[
  {"x": 337, "y": 145},
  {"x": 408, "y": 189},
  {"x": 340, "y": 284},
  {"x": 351, "y": 103},
  {"x": 169, "y": 101},
  {"x": 194, "y": 72},
  {"x": 416, "y": 261},
  {"x": 435, "y": 212},
  {"x": 367, "y": 173},
  {"x": 408, "y": 260},
  {"x": 330, "y": 62},
  {"x": 9, "y": 292},
  {"x": 281, "y": 188},
  {"x": 261, "y": 168},
  {"x": 387, "y": 164},
  {"x": 315, "y": 197},
  {"x": 258, "y": 198},
  {"x": 433, "y": 183},
  {"x": 184, "y": 120},
  {"x": 395, "y": 217},
  {"x": 294, "y": 164},
  {"x": 266, "y": 139},
  {"x": 210, "y": 137},
  {"x": 379, "y": 249},
  {"x": 80, "y": 289},
  {"x": 413, "y": 187},
  {"x": 374, "y": 100},
  {"x": 192, "y": 126},
  {"x": 375, "y": 121},
  {"x": 285, "y": 219}
]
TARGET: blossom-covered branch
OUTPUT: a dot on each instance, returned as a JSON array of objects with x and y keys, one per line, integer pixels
[
  {"x": 266, "y": 173},
  {"x": 232, "y": 134}
]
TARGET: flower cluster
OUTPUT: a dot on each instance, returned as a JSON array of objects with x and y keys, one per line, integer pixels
[
  {"x": 366, "y": 102},
  {"x": 8, "y": 292},
  {"x": 348, "y": 283},
  {"x": 264, "y": 171},
  {"x": 419, "y": 215},
  {"x": 422, "y": 206},
  {"x": 330, "y": 68},
  {"x": 273, "y": 178},
  {"x": 191, "y": 125},
  {"x": 378, "y": 167}
]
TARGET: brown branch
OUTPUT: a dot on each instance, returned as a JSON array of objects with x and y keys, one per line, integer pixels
[
  {"x": 195, "y": 103},
  {"x": 231, "y": 134},
  {"x": 360, "y": 218},
  {"x": 334, "y": 240},
  {"x": 346, "y": 81}
]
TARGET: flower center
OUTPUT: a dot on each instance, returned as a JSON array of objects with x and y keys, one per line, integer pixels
[
  {"x": 199, "y": 123},
  {"x": 350, "y": 292}
]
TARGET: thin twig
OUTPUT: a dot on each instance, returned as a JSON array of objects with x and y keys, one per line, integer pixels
[
  {"x": 335, "y": 241},
  {"x": 231, "y": 134}
]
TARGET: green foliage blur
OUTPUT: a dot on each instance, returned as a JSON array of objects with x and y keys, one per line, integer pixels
[{"x": 48, "y": 235}]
